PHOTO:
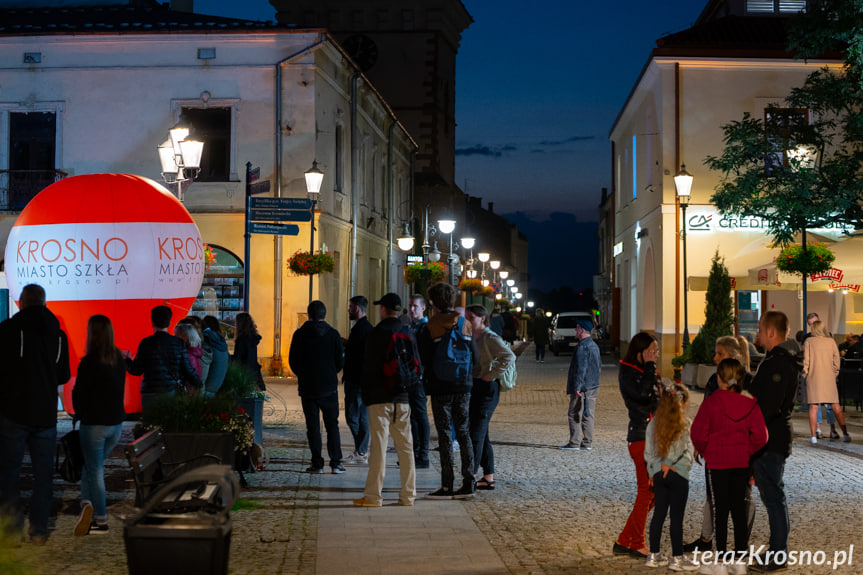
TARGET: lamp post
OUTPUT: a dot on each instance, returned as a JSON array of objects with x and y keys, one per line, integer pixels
[
  {"x": 447, "y": 226},
  {"x": 503, "y": 275},
  {"x": 494, "y": 265},
  {"x": 405, "y": 241},
  {"x": 483, "y": 257},
  {"x": 683, "y": 183},
  {"x": 180, "y": 157},
  {"x": 314, "y": 178}
]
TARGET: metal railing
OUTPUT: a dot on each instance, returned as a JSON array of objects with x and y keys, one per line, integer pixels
[{"x": 18, "y": 187}]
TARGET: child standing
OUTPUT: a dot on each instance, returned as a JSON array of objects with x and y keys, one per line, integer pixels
[
  {"x": 728, "y": 429},
  {"x": 669, "y": 458}
]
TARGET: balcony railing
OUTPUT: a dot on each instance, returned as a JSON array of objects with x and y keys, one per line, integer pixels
[{"x": 18, "y": 187}]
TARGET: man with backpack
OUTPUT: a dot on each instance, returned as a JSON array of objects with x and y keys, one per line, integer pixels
[
  {"x": 445, "y": 350},
  {"x": 390, "y": 370}
]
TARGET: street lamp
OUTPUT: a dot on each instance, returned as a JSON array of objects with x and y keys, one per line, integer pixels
[
  {"x": 483, "y": 257},
  {"x": 406, "y": 240},
  {"x": 434, "y": 255},
  {"x": 683, "y": 183},
  {"x": 180, "y": 157},
  {"x": 314, "y": 178}
]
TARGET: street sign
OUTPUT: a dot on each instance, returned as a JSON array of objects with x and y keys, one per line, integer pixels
[
  {"x": 269, "y": 215},
  {"x": 281, "y": 203},
  {"x": 255, "y": 174},
  {"x": 261, "y": 187},
  {"x": 274, "y": 229}
]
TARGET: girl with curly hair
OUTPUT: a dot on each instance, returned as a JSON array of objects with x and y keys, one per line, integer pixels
[{"x": 668, "y": 456}]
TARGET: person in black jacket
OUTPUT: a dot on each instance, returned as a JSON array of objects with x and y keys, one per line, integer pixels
[
  {"x": 775, "y": 388},
  {"x": 356, "y": 413},
  {"x": 162, "y": 360},
  {"x": 98, "y": 399},
  {"x": 246, "y": 347},
  {"x": 316, "y": 359},
  {"x": 638, "y": 386},
  {"x": 34, "y": 360},
  {"x": 387, "y": 410}
]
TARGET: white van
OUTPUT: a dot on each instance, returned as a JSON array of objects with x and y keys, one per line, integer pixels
[{"x": 561, "y": 335}]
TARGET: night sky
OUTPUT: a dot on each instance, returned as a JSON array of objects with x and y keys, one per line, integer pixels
[{"x": 538, "y": 87}]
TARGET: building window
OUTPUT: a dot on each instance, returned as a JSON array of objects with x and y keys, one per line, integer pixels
[
  {"x": 340, "y": 159},
  {"x": 634, "y": 168},
  {"x": 32, "y": 158},
  {"x": 222, "y": 291},
  {"x": 775, "y": 6},
  {"x": 213, "y": 127},
  {"x": 783, "y": 126}
]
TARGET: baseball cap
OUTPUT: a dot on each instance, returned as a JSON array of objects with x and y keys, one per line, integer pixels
[{"x": 390, "y": 301}]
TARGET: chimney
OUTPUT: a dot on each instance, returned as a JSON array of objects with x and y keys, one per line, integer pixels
[
  {"x": 183, "y": 5},
  {"x": 491, "y": 207}
]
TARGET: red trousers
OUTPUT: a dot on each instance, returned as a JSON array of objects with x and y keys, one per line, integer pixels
[{"x": 632, "y": 535}]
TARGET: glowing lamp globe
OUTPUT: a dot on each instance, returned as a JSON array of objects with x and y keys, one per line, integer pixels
[{"x": 110, "y": 244}]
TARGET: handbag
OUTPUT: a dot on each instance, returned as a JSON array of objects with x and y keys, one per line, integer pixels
[
  {"x": 73, "y": 456},
  {"x": 508, "y": 377}
]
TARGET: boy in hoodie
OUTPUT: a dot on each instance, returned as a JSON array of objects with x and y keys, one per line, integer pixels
[
  {"x": 316, "y": 358},
  {"x": 450, "y": 400},
  {"x": 35, "y": 360}
]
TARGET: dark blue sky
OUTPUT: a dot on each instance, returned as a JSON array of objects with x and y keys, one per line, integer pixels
[{"x": 538, "y": 87}]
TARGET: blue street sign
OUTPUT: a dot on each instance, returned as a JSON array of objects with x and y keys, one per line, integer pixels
[
  {"x": 269, "y": 215},
  {"x": 281, "y": 203},
  {"x": 274, "y": 229}
]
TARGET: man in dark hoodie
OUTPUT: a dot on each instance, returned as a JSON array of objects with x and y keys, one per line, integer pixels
[
  {"x": 316, "y": 359},
  {"x": 450, "y": 400},
  {"x": 388, "y": 410},
  {"x": 34, "y": 361},
  {"x": 775, "y": 388},
  {"x": 356, "y": 413}
]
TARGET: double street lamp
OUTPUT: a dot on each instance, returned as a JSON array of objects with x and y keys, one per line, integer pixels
[
  {"x": 683, "y": 184},
  {"x": 180, "y": 157}
]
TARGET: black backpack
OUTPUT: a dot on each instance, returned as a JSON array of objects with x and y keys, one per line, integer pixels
[
  {"x": 401, "y": 366},
  {"x": 73, "y": 457}
]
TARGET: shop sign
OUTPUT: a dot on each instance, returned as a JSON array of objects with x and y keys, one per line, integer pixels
[{"x": 833, "y": 274}]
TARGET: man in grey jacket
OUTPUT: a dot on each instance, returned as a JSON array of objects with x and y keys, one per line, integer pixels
[{"x": 582, "y": 386}]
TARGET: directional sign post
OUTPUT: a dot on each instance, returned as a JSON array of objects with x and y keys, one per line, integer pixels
[
  {"x": 274, "y": 229},
  {"x": 271, "y": 215}
]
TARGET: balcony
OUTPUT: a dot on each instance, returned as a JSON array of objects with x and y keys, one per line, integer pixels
[{"x": 18, "y": 187}]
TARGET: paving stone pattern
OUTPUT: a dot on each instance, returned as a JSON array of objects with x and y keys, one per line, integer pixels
[{"x": 553, "y": 511}]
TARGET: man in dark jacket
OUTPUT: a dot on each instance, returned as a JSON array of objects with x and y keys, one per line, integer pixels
[
  {"x": 162, "y": 360},
  {"x": 387, "y": 410},
  {"x": 356, "y": 413},
  {"x": 775, "y": 388},
  {"x": 316, "y": 359},
  {"x": 450, "y": 400},
  {"x": 34, "y": 359},
  {"x": 420, "y": 429}
]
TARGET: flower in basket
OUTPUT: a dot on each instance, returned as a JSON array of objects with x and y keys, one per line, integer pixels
[
  {"x": 470, "y": 285},
  {"x": 430, "y": 272},
  {"x": 816, "y": 259},
  {"x": 209, "y": 257},
  {"x": 311, "y": 263},
  {"x": 487, "y": 291}
]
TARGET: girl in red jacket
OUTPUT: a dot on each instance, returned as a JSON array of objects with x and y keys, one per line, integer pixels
[{"x": 727, "y": 431}]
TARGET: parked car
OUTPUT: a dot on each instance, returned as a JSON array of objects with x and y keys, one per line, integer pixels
[{"x": 562, "y": 330}]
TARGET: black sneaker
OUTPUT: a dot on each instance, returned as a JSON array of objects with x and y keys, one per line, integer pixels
[
  {"x": 441, "y": 493},
  {"x": 699, "y": 544},
  {"x": 99, "y": 528},
  {"x": 466, "y": 492},
  {"x": 338, "y": 469},
  {"x": 314, "y": 469}
]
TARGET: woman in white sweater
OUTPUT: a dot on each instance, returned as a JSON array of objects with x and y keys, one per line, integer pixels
[{"x": 820, "y": 368}]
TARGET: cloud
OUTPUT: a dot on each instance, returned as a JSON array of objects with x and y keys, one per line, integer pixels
[
  {"x": 478, "y": 151},
  {"x": 566, "y": 141}
]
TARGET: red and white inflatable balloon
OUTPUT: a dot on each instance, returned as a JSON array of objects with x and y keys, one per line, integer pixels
[{"x": 111, "y": 244}]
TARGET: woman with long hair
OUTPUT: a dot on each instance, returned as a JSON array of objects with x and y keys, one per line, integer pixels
[
  {"x": 246, "y": 346},
  {"x": 98, "y": 401},
  {"x": 493, "y": 357},
  {"x": 194, "y": 351},
  {"x": 668, "y": 457},
  {"x": 821, "y": 363},
  {"x": 638, "y": 381}
]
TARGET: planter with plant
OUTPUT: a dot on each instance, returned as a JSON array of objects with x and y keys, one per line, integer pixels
[
  {"x": 429, "y": 273},
  {"x": 311, "y": 263},
  {"x": 816, "y": 258},
  {"x": 241, "y": 385}
]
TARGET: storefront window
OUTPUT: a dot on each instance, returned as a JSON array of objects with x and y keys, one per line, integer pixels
[{"x": 222, "y": 292}]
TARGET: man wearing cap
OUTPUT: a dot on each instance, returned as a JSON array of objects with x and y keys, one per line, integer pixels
[
  {"x": 388, "y": 409},
  {"x": 582, "y": 385}
]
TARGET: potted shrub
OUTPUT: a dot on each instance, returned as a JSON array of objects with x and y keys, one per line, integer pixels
[
  {"x": 241, "y": 386},
  {"x": 311, "y": 263}
]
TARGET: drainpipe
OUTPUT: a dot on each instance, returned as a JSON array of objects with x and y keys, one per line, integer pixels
[
  {"x": 278, "y": 264},
  {"x": 391, "y": 196},
  {"x": 355, "y": 162},
  {"x": 677, "y": 343}
]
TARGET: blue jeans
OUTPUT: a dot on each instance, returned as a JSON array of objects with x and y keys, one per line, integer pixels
[
  {"x": 42, "y": 443},
  {"x": 357, "y": 417},
  {"x": 313, "y": 409},
  {"x": 420, "y": 429},
  {"x": 484, "y": 398},
  {"x": 768, "y": 469},
  {"x": 97, "y": 441},
  {"x": 449, "y": 411}
]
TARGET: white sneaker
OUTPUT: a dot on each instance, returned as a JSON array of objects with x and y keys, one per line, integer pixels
[
  {"x": 455, "y": 446},
  {"x": 813, "y": 440},
  {"x": 736, "y": 568},
  {"x": 356, "y": 458},
  {"x": 713, "y": 569},
  {"x": 656, "y": 560},
  {"x": 682, "y": 563}
]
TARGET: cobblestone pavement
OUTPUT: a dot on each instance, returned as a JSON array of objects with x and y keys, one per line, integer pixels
[{"x": 553, "y": 511}]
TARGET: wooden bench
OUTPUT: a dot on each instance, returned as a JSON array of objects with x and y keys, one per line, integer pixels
[{"x": 145, "y": 457}]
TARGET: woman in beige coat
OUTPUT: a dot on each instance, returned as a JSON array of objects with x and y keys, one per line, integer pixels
[{"x": 820, "y": 368}]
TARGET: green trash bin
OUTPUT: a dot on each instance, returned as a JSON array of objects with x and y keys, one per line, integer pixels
[{"x": 185, "y": 527}]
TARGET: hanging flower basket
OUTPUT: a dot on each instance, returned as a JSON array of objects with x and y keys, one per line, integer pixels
[
  {"x": 816, "y": 259},
  {"x": 430, "y": 273},
  {"x": 209, "y": 257},
  {"x": 473, "y": 286},
  {"x": 309, "y": 264},
  {"x": 487, "y": 291}
]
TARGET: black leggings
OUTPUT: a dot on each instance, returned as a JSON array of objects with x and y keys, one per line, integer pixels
[
  {"x": 728, "y": 487},
  {"x": 670, "y": 492}
]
